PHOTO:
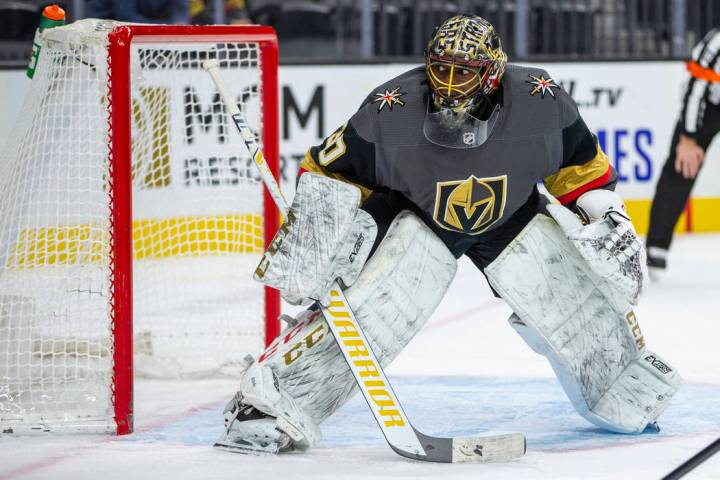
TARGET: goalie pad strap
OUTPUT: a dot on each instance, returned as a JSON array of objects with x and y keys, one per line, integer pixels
[{"x": 566, "y": 312}]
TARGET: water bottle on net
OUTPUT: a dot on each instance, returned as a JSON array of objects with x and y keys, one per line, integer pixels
[{"x": 52, "y": 16}]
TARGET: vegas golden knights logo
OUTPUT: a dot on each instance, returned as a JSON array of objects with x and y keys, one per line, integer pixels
[{"x": 470, "y": 206}]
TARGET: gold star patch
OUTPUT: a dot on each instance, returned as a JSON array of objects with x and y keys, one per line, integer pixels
[
  {"x": 542, "y": 85},
  {"x": 389, "y": 98}
]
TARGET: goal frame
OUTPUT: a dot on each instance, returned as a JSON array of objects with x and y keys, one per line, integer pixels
[{"x": 120, "y": 40}]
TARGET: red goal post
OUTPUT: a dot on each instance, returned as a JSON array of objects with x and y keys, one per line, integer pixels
[{"x": 120, "y": 40}]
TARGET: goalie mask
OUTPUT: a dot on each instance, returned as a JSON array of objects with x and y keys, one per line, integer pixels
[{"x": 464, "y": 63}]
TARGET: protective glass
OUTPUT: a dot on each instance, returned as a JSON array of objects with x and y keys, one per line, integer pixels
[{"x": 458, "y": 129}]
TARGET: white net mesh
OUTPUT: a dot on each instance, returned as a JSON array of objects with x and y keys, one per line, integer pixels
[{"x": 197, "y": 226}]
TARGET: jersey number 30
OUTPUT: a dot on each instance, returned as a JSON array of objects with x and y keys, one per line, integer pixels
[{"x": 334, "y": 147}]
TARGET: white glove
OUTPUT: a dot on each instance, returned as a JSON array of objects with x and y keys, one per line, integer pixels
[{"x": 608, "y": 241}]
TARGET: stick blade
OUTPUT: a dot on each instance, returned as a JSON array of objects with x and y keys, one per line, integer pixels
[
  {"x": 480, "y": 449},
  {"x": 496, "y": 448}
]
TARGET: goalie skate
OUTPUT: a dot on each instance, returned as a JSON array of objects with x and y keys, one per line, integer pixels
[{"x": 250, "y": 431}]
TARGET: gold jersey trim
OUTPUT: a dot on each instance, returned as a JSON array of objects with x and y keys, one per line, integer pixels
[{"x": 568, "y": 179}]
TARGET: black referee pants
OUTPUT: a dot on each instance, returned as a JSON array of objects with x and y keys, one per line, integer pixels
[{"x": 673, "y": 190}]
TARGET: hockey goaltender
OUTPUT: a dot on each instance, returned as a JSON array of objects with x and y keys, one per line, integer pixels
[{"x": 439, "y": 162}]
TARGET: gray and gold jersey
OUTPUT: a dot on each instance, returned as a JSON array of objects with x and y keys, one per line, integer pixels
[{"x": 538, "y": 135}]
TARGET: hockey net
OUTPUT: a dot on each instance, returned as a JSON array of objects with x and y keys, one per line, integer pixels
[{"x": 131, "y": 218}]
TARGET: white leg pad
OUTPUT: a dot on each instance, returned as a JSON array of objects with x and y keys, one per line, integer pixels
[
  {"x": 397, "y": 291},
  {"x": 587, "y": 331}
]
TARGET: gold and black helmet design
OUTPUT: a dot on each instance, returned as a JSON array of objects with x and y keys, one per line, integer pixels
[{"x": 464, "y": 59}]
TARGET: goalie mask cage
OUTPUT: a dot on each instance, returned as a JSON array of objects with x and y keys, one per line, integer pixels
[{"x": 131, "y": 219}]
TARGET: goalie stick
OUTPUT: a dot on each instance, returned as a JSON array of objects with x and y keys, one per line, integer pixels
[{"x": 402, "y": 437}]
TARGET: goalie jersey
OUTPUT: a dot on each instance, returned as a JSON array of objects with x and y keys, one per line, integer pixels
[{"x": 467, "y": 194}]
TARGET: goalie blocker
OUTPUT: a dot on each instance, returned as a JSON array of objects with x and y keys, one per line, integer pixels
[{"x": 564, "y": 310}]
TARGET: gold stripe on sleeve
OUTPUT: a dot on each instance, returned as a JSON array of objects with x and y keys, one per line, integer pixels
[{"x": 568, "y": 179}]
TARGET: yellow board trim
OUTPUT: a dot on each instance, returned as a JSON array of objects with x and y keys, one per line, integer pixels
[
  {"x": 194, "y": 236},
  {"x": 66, "y": 245},
  {"x": 639, "y": 211},
  {"x": 189, "y": 236},
  {"x": 212, "y": 235},
  {"x": 705, "y": 214}
]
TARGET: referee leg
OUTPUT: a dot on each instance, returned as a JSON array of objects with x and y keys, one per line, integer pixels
[{"x": 671, "y": 194}]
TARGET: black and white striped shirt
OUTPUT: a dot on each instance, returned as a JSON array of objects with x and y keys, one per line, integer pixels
[{"x": 703, "y": 87}]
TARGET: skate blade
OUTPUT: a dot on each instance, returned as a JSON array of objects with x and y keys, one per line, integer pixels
[{"x": 246, "y": 449}]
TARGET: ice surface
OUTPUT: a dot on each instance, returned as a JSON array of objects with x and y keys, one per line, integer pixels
[{"x": 466, "y": 372}]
